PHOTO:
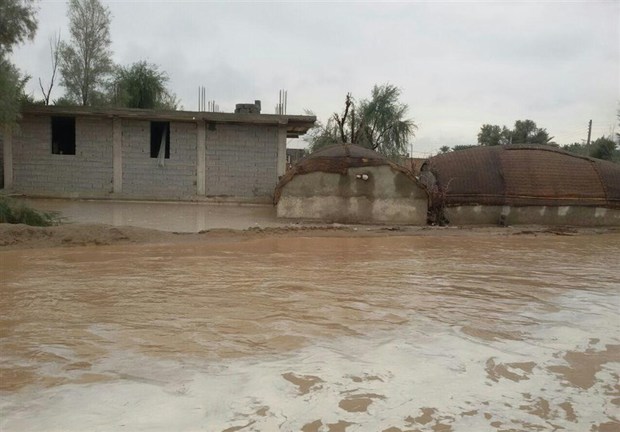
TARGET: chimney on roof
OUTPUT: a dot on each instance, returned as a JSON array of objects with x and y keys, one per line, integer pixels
[{"x": 248, "y": 108}]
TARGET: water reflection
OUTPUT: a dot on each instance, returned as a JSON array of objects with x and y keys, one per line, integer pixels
[
  {"x": 165, "y": 216},
  {"x": 313, "y": 334}
]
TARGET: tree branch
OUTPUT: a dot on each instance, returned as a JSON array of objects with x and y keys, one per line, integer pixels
[{"x": 54, "y": 54}]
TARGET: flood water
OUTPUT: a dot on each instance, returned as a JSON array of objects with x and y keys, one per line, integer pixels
[
  {"x": 174, "y": 216},
  {"x": 314, "y": 334}
]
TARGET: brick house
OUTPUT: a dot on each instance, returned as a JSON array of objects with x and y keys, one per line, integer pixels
[{"x": 82, "y": 152}]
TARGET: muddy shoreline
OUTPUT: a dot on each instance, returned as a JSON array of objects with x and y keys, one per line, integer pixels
[{"x": 72, "y": 235}]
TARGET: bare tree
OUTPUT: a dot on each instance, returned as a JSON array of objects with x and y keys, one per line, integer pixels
[
  {"x": 86, "y": 61},
  {"x": 54, "y": 54},
  {"x": 341, "y": 122}
]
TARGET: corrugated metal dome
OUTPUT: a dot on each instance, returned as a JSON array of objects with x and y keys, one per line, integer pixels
[
  {"x": 337, "y": 159},
  {"x": 525, "y": 175}
]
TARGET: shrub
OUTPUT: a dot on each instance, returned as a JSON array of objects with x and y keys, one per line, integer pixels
[{"x": 14, "y": 212}]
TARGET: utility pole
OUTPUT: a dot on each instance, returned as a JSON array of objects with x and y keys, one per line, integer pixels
[{"x": 589, "y": 131}]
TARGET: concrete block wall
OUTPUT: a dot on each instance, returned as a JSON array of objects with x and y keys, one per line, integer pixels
[
  {"x": 533, "y": 215},
  {"x": 241, "y": 160},
  {"x": 142, "y": 175},
  {"x": 37, "y": 171}
]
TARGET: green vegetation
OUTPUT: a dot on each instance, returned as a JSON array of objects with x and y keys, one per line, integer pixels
[
  {"x": 601, "y": 148},
  {"x": 14, "y": 212},
  {"x": 17, "y": 24},
  {"x": 86, "y": 61},
  {"x": 604, "y": 148},
  {"x": 11, "y": 92},
  {"x": 492, "y": 135},
  {"x": 524, "y": 132},
  {"x": 142, "y": 85},
  {"x": 463, "y": 147},
  {"x": 378, "y": 123},
  {"x": 88, "y": 73}
]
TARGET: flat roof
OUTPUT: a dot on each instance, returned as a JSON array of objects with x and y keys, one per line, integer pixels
[{"x": 296, "y": 125}]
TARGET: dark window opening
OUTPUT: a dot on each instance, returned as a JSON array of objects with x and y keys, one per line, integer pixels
[
  {"x": 160, "y": 134},
  {"x": 63, "y": 135}
]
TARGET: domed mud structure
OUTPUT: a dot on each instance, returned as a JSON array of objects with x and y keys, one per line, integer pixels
[
  {"x": 351, "y": 184},
  {"x": 523, "y": 185}
]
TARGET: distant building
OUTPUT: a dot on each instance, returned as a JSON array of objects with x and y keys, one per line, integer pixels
[
  {"x": 147, "y": 154},
  {"x": 293, "y": 156},
  {"x": 413, "y": 164}
]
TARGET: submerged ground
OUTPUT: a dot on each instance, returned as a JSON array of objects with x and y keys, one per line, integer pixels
[{"x": 311, "y": 329}]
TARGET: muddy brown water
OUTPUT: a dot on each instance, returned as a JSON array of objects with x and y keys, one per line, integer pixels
[{"x": 314, "y": 334}]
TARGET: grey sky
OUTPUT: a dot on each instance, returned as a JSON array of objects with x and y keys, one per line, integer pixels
[{"x": 459, "y": 64}]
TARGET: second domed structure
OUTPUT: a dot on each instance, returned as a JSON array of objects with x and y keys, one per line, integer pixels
[{"x": 348, "y": 183}]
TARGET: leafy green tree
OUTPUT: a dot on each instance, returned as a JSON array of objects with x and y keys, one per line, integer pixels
[
  {"x": 142, "y": 85},
  {"x": 604, "y": 148},
  {"x": 578, "y": 148},
  {"x": 11, "y": 92},
  {"x": 526, "y": 132},
  {"x": 64, "y": 101},
  {"x": 444, "y": 149},
  {"x": 86, "y": 61},
  {"x": 17, "y": 24},
  {"x": 378, "y": 123},
  {"x": 383, "y": 122},
  {"x": 170, "y": 101},
  {"x": 492, "y": 135},
  {"x": 322, "y": 135}
]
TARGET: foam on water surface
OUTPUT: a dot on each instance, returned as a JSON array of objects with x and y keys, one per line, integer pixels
[{"x": 316, "y": 336}]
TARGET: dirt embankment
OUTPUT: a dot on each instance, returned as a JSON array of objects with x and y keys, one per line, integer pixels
[
  {"x": 24, "y": 236},
  {"x": 17, "y": 236}
]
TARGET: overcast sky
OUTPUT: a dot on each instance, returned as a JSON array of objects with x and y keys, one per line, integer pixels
[{"x": 459, "y": 64}]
